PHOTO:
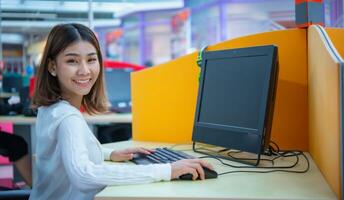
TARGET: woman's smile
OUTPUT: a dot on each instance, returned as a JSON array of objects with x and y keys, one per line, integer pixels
[{"x": 83, "y": 83}]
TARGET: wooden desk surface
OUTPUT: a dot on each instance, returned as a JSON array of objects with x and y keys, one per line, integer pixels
[
  {"x": 277, "y": 185},
  {"x": 91, "y": 119},
  {"x": 8, "y": 94}
]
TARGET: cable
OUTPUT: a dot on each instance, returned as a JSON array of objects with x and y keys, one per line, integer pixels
[
  {"x": 272, "y": 151},
  {"x": 181, "y": 144},
  {"x": 252, "y": 159}
]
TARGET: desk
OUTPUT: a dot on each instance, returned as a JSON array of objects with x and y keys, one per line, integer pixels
[
  {"x": 8, "y": 94},
  {"x": 277, "y": 185},
  {"x": 92, "y": 120}
]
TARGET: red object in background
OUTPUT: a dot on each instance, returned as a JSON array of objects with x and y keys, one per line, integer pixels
[
  {"x": 120, "y": 65},
  {"x": 2, "y": 65},
  {"x": 302, "y": 1},
  {"x": 179, "y": 19},
  {"x": 32, "y": 86},
  {"x": 114, "y": 35},
  {"x": 6, "y": 127}
]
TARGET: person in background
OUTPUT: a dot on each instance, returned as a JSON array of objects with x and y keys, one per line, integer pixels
[
  {"x": 69, "y": 159},
  {"x": 16, "y": 149}
]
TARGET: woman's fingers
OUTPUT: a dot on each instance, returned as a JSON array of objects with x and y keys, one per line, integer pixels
[
  {"x": 195, "y": 164},
  {"x": 138, "y": 150},
  {"x": 203, "y": 163},
  {"x": 206, "y": 164},
  {"x": 144, "y": 150},
  {"x": 194, "y": 173},
  {"x": 190, "y": 166}
]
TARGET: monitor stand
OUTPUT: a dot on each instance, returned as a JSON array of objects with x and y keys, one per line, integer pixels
[{"x": 247, "y": 161}]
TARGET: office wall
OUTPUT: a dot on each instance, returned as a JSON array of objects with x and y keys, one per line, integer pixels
[
  {"x": 164, "y": 97},
  {"x": 324, "y": 93}
]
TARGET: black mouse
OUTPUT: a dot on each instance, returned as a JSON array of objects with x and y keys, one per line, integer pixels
[{"x": 208, "y": 173}]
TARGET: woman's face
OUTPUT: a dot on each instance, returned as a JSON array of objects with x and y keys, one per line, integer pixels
[{"x": 77, "y": 68}]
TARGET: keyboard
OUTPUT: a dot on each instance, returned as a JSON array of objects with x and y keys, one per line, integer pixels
[
  {"x": 166, "y": 155},
  {"x": 161, "y": 155}
]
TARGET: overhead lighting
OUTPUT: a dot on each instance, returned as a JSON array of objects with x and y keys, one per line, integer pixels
[
  {"x": 48, "y": 24},
  {"x": 12, "y": 38},
  {"x": 82, "y": 6},
  {"x": 62, "y": 6},
  {"x": 29, "y": 15},
  {"x": 149, "y": 6}
]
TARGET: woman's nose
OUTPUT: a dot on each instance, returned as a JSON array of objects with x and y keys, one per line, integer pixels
[{"x": 84, "y": 68}]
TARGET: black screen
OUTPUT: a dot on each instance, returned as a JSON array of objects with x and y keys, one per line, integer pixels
[
  {"x": 118, "y": 88},
  {"x": 236, "y": 100},
  {"x": 236, "y": 94},
  {"x": 12, "y": 83}
]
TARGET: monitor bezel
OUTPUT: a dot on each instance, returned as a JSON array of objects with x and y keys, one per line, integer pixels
[
  {"x": 261, "y": 135},
  {"x": 110, "y": 91}
]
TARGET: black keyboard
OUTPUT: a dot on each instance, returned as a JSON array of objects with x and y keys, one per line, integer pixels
[{"x": 161, "y": 155}]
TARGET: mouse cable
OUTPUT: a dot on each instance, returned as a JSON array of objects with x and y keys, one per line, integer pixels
[
  {"x": 273, "y": 151},
  {"x": 272, "y": 169},
  {"x": 210, "y": 152}
]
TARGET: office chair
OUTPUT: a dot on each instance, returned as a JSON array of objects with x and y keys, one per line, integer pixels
[
  {"x": 15, "y": 195},
  {"x": 12, "y": 194}
]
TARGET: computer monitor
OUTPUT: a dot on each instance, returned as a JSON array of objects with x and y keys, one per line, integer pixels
[
  {"x": 12, "y": 83},
  {"x": 118, "y": 89},
  {"x": 236, "y": 98}
]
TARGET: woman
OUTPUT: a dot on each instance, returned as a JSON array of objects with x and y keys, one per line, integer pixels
[{"x": 69, "y": 163}]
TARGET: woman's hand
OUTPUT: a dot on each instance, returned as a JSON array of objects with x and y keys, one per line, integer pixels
[
  {"x": 189, "y": 166},
  {"x": 128, "y": 154}
]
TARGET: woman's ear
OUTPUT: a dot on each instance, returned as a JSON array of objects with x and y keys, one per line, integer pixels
[{"x": 52, "y": 68}]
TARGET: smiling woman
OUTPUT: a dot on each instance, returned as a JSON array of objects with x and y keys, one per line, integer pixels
[
  {"x": 71, "y": 65},
  {"x": 77, "y": 69},
  {"x": 69, "y": 159}
]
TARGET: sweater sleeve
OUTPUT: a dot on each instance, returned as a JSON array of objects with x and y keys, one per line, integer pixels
[
  {"x": 86, "y": 175},
  {"x": 107, "y": 153}
]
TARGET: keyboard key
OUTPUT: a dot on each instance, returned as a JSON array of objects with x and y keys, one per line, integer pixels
[{"x": 161, "y": 155}]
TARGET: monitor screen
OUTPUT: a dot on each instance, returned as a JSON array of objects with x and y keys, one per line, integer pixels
[
  {"x": 12, "y": 83},
  {"x": 235, "y": 100},
  {"x": 118, "y": 89}
]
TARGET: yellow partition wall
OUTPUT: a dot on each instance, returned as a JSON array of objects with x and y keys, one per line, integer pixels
[
  {"x": 164, "y": 97},
  {"x": 337, "y": 37},
  {"x": 164, "y": 101},
  {"x": 324, "y": 106}
]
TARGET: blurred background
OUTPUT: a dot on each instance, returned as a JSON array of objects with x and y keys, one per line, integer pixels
[
  {"x": 142, "y": 32},
  {"x": 133, "y": 34}
]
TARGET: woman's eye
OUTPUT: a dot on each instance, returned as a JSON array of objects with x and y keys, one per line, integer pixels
[
  {"x": 71, "y": 61},
  {"x": 92, "y": 60}
]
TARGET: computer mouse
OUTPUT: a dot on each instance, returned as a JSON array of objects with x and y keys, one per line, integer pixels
[{"x": 208, "y": 173}]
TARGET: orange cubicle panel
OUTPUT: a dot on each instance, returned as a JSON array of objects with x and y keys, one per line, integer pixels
[
  {"x": 337, "y": 37},
  {"x": 164, "y": 101},
  {"x": 324, "y": 105},
  {"x": 164, "y": 96}
]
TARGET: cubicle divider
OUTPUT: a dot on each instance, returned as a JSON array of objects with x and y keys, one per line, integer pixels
[
  {"x": 309, "y": 100},
  {"x": 164, "y": 96},
  {"x": 337, "y": 38},
  {"x": 164, "y": 101},
  {"x": 325, "y": 93}
]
